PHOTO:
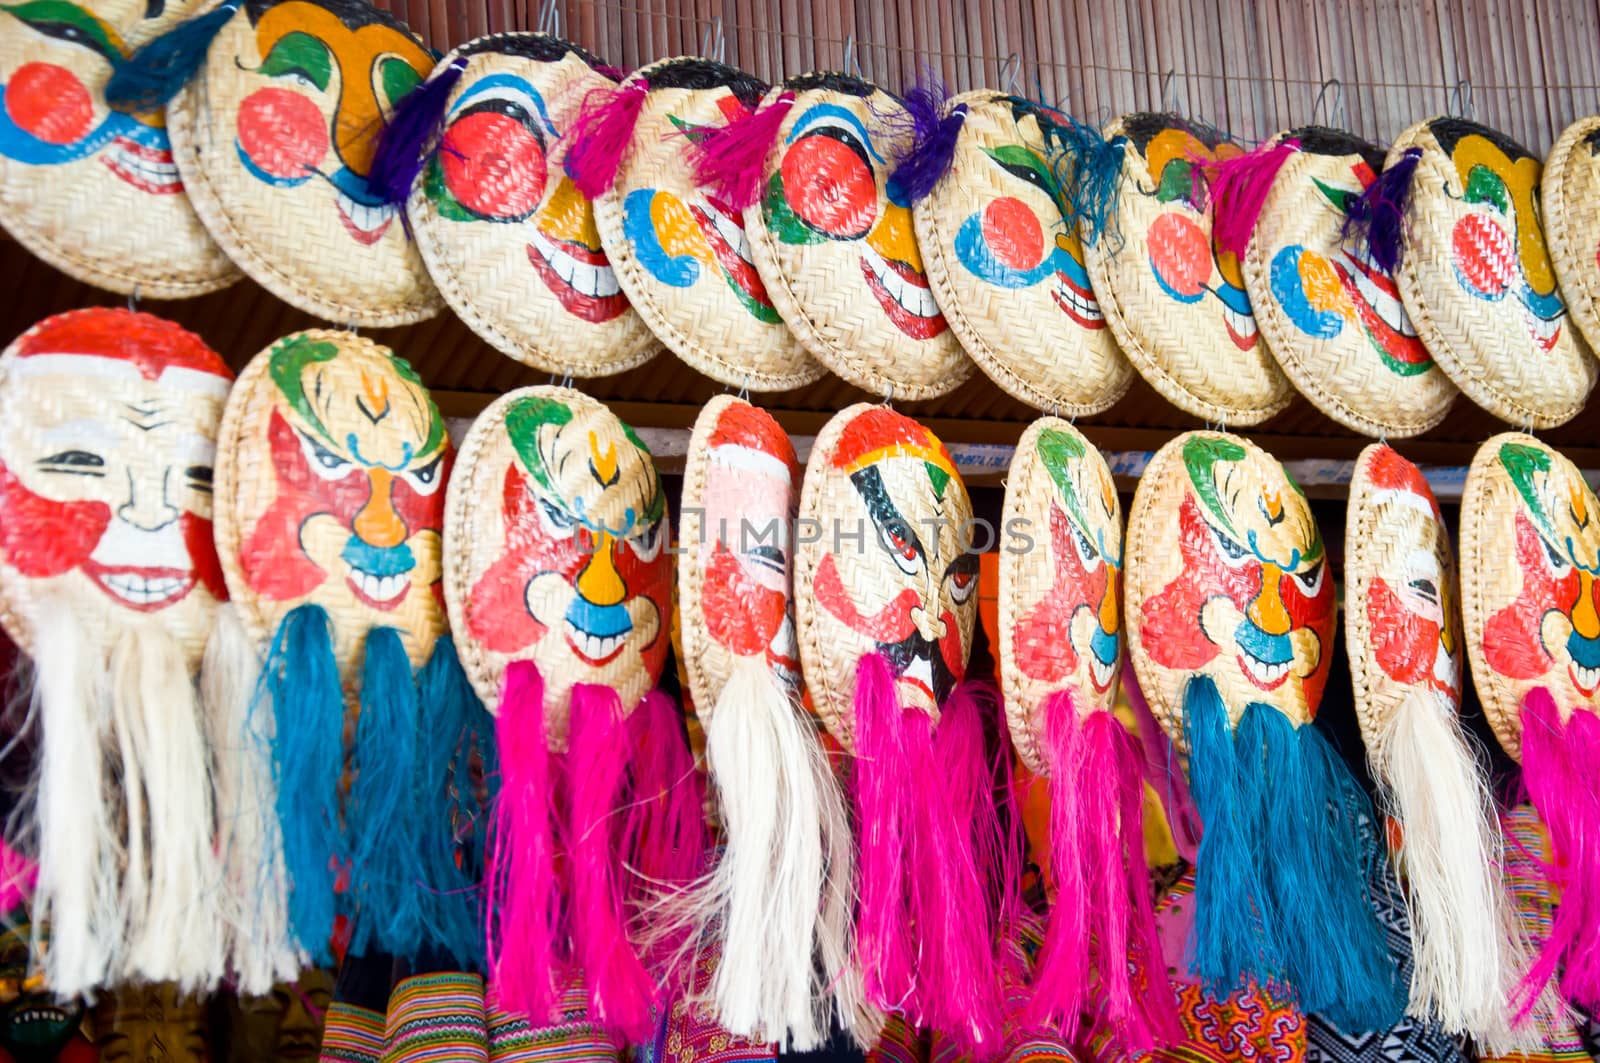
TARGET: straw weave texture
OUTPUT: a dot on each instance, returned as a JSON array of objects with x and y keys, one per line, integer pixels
[{"x": 1571, "y": 194}]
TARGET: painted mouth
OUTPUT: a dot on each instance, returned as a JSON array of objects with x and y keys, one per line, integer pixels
[
  {"x": 918, "y": 676},
  {"x": 143, "y": 589},
  {"x": 365, "y": 223},
  {"x": 1587, "y": 680},
  {"x": 597, "y": 634},
  {"x": 145, "y": 168},
  {"x": 726, "y": 235},
  {"x": 580, "y": 278},
  {"x": 903, "y": 293},
  {"x": 594, "y": 650},
  {"x": 1101, "y": 673},
  {"x": 1377, "y": 302},
  {"x": 1241, "y": 327},
  {"x": 1546, "y": 331},
  {"x": 1078, "y": 302},
  {"x": 1264, "y": 674},
  {"x": 379, "y": 592},
  {"x": 1265, "y": 658}
]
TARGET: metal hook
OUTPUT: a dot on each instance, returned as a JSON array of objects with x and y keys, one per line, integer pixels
[
  {"x": 550, "y": 18},
  {"x": 713, "y": 43},
  {"x": 1335, "y": 113},
  {"x": 1011, "y": 74},
  {"x": 1169, "y": 98},
  {"x": 566, "y": 381},
  {"x": 133, "y": 298},
  {"x": 852, "y": 60},
  {"x": 744, "y": 389},
  {"x": 1461, "y": 105},
  {"x": 888, "y": 395}
]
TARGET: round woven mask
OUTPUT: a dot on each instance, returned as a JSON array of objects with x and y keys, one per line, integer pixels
[
  {"x": 508, "y": 239},
  {"x": 92, "y": 191},
  {"x": 1530, "y": 558},
  {"x": 883, "y": 550},
  {"x": 557, "y": 555},
  {"x": 1177, "y": 304},
  {"x": 275, "y": 137},
  {"x": 1331, "y": 317},
  {"x": 735, "y": 563},
  {"x": 1060, "y": 586},
  {"x": 839, "y": 257},
  {"x": 108, "y": 429},
  {"x": 1402, "y": 627},
  {"x": 1008, "y": 271},
  {"x": 331, "y": 473},
  {"x": 1571, "y": 190},
  {"x": 1245, "y": 597},
  {"x": 681, "y": 254},
  {"x": 1477, "y": 278}
]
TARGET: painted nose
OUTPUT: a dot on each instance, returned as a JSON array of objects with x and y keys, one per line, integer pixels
[
  {"x": 1108, "y": 605},
  {"x": 1585, "y": 618},
  {"x": 1267, "y": 611},
  {"x": 569, "y": 216},
  {"x": 894, "y": 239},
  {"x": 1447, "y": 630},
  {"x": 147, "y": 507},
  {"x": 930, "y": 625},
  {"x": 378, "y": 524},
  {"x": 600, "y": 583}
]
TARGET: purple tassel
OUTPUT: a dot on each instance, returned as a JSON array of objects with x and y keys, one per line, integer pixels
[
  {"x": 412, "y": 134},
  {"x": 731, "y": 160},
  {"x": 601, "y": 134},
  {"x": 1239, "y": 188},
  {"x": 1377, "y": 217},
  {"x": 933, "y": 143}
]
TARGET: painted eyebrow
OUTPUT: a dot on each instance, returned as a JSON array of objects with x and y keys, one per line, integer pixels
[
  {"x": 505, "y": 81},
  {"x": 831, "y": 111}
]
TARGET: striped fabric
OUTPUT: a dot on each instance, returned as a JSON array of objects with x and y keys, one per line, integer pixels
[
  {"x": 899, "y": 1043},
  {"x": 514, "y": 1039},
  {"x": 1017, "y": 1045},
  {"x": 437, "y": 1018},
  {"x": 351, "y": 1035}
]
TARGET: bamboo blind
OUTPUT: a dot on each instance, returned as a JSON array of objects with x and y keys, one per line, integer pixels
[{"x": 1248, "y": 66}]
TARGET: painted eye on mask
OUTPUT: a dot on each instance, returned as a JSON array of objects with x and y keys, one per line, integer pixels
[
  {"x": 647, "y": 543},
  {"x": 1087, "y": 552},
  {"x": 1232, "y": 553},
  {"x": 494, "y": 151},
  {"x": 1425, "y": 589},
  {"x": 73, "y": 463},
  {"x": 828, "y": 179},
  {"x": 768, "y": 557},
  {"x": 200, "y": 477},
  {"x": 962, "y": 576},
  {"x": 1560, "y": 567},
  {"x": 1310, "y": 580},
  {"x": 556, "y": 521},
  {"x": 324, "y": 463},
  {"x": 902, "y": 546},
  {"x": 426, "y": 479}
]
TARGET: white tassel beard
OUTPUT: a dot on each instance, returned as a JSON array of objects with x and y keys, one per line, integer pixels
[
  {"x": 1468, "y": 948},
  {"x": 255, "y": 913}
]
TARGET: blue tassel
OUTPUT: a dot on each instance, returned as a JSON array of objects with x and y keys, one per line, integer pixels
[
  {"x": 455, "y": 732},
  {"x": 1089, "y": 168},
  {"x": 308, "y": 757},
  {"x": 1229, "y": 944},
  {"x": 383, "y": 826},
  {"x": 1253, "y": 761},
  {"x": 151, "y": 76},
  {"x": 411, "y": 136}
]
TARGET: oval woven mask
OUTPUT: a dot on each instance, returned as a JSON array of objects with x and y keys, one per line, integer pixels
[
  {"x": 680, "y": 253},
  {"x": 274, "y": 138},
  {"x": 883, "y": 553},
  {"x": 108, "y": 430},
  {"x": 557, "y": 551},
  {"x": 1176, "y": 304},
  {"x": 330, "y": 482},
  {"x": 1402, "y": 626},
  {"x": 1331, "y": 317},
  {"x": 1477, "y": 278},
  {"x": 1245, "y": 597},
  {"x": 1530, "y": 555},
  {"x": 1060, "y": 606},
  {"x": 839, "y": 257},
  {"x": 508, "y": 239},
  {"x": 1571, "y": 188},
  {"x": 1007, "y": 270},
  {"x": 93, "y": 191},
  {"x": 741, "y": 485}
]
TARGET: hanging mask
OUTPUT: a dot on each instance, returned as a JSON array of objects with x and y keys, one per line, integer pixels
[
  {"x": 1572, "y": 178},
  {"x": 91, "y": 189}
]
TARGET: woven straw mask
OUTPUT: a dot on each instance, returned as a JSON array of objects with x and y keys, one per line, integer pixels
[
  {"x": 508, "y": 239},
  {"x": 92, "y": 191},
  {"x": 735, "y": 566},
  {"x": 1245, "y": 597},
  {"x": 558, "y": 529},
  {"x": 1007, "y": 270},
  {"x": 1331, "y": 317},
  {"x": 1571, "y": 190},
  {"x": 680, "y": 253},
  {"x": 108, "y": 429},
  {"x": 1477, "y": 278},
  {"x": 275, "y": 137},
  {"x": 1530, "y": 558},
  {"x": 883, "y": 551},
  {"x": 1060, "y": 607},
  {"x": 1402, "y": 627},
  {"x": 1175, "y": 303},
  {"x": 839, "y": 257},
  {"x": 330, "y": 477}
]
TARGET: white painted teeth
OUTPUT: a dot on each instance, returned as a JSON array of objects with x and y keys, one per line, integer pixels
[
  {"x": 594, "y": 647},
  {"x": 1088, "y": 309},
  {"x": 916, "y": 300},
  {"x": 1102, "y": 670},
  {"x": 364, "y": 218},
  {"x": 598, "y": 282},
  {"x": 1543, "y": 329},
  {"x": 381, "y": 589},
  {"x": 730, "y": 231},
  {"x": 142, "y": 591},
  {"x": 160, "y": 174},
  {"x": 1588, "y": 678},
  {"x": 1388, "y": 307},
  {"x": 921, "y": 670},
  {"x": 1244, "y": 325},
  {"x": 1264, "y": 672}
]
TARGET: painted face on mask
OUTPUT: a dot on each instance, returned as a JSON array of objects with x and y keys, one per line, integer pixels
[
  {"x": 108, "y": 429},
  {"x": 562, "y": 555},
  {"x": 34, "y": 1025},
  {"x": 1245, "y": 597},
  {"x": 891, "y": 571},
  {"x": 340, "y": 466},
  {"x": 140, "y": 1023}
]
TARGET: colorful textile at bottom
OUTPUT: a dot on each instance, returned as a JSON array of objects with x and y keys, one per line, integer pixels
[
  {"x": 435, "y": 1016},
  {"x": 514, "y": 1038}
]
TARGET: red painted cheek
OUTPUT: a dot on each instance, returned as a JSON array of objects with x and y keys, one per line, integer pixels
[
  {"x": 830, "y": 187},
  {"x": 202, "y": 547},
  {"x": 1180, "y": 254},
  {"x": 494, "y": 165},
  {"x": 739, "y": 613},
  {"x": 44, "y": 538},
  {"x": 1485, "y": 256},
  {"x": 282, "y": 132},
  {"x": 1403, "y": 643},
  {"x": 1012, "y": 232},
  {"x": 49, "y": 102}
]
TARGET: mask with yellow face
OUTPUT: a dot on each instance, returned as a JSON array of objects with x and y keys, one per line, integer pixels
[{"x": 1572, "y": 178}]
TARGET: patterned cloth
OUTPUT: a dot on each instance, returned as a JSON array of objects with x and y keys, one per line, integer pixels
[
  {"x": 514, "y": 1039},
  {"x": 437, "y": 1017},
  {"x": 351, "y": 1034}
]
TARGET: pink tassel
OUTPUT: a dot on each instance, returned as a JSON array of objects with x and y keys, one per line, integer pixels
[
  {"x": 1239, "y": 188},
  {"x": 1558, "y": 766},
  {"x": 621, "y": 992},
  {"x": 601, "y": 133},
  {"x": 17, "y": 877},
  {"x": 890, "y": 748},
  {"x": 524, "y": 901},
  {"x": 731, "y": 160},
  {"x": 1103, "y": 914}
]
